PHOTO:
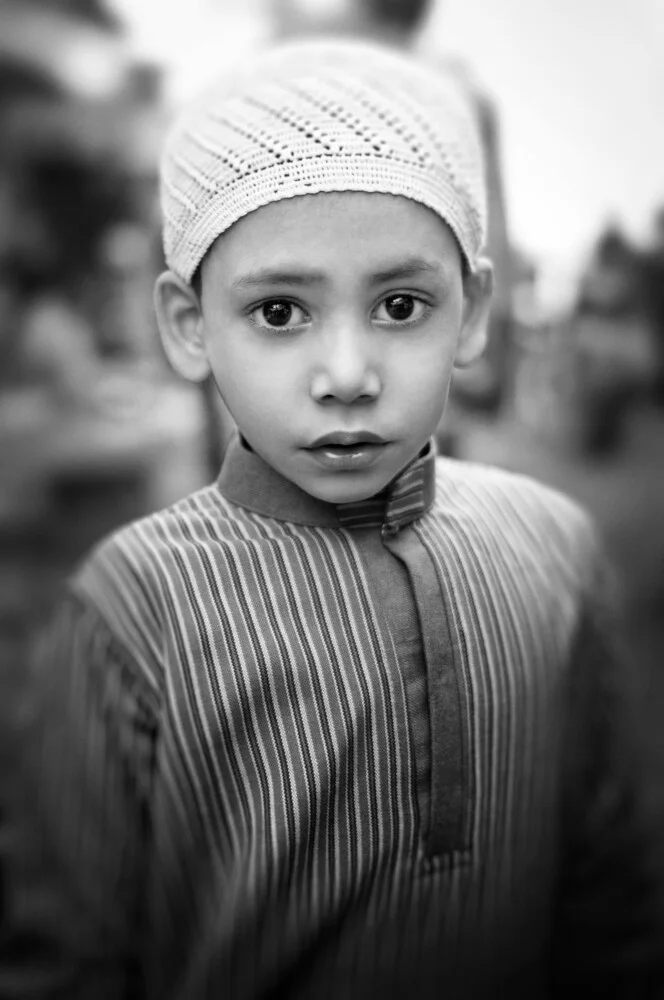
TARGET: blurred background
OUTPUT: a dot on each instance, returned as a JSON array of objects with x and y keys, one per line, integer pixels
[{"x": 95, "y": 430}]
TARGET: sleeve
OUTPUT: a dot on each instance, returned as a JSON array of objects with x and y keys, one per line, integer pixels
[
  {"x": 608, "y": 935},
  {"x": 79, "y": 827}
]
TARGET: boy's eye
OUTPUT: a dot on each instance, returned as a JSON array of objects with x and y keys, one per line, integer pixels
[
  {"x": 400, "y": 308},
  {"x": 278, "y": 314}
]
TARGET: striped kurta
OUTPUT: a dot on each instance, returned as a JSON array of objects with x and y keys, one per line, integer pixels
[{"x": 297, "y": 750}]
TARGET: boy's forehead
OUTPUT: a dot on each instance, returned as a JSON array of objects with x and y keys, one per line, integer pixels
[{"x": 316, "y": 236}]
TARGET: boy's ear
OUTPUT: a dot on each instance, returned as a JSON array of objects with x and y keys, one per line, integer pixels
[
  {"x": 478, "y": 289},
  {"x": 180, "y": 321}
]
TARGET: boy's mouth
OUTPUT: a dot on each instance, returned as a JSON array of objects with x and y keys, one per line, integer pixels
[
  {"x": 347, "y": 451},
  {"x": 347, "y": 439}
]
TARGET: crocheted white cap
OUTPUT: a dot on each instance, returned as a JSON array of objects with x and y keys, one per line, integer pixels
[{"x": 320, "y": 116}]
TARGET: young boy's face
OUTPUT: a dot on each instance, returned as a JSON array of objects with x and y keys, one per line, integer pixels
[{"x": 331, "y": 324}]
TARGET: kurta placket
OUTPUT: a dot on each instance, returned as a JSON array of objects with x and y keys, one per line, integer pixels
[{"x": 387, "y": 521}]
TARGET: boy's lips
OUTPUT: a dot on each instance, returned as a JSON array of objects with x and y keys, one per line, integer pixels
[
  {"x": 346, "y": 439},
  {"x": 347, "y": 451}
]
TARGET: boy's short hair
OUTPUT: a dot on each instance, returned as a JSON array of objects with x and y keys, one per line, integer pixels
[{"x": 321, "y": 116}]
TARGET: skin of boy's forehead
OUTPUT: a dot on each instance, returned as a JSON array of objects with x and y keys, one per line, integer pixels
[
  {"x": 313, "y": 213},
  {"x": 342, "y": 364}
]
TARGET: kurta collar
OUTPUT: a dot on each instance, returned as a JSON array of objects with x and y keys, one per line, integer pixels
[{"x": 249, "y": 482}]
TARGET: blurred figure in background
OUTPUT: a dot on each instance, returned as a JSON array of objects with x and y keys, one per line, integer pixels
[
  {"x": 614, "y": 341},
  {"x": 390, "y": 22}
]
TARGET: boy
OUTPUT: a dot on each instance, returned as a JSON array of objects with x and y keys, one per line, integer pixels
[{"x": 345, "y": 723}]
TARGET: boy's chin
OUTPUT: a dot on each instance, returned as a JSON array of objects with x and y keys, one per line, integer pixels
[{"x": 344, "y": 488}]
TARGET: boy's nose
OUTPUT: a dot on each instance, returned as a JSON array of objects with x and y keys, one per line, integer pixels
[{"x": 346, "y": 373}]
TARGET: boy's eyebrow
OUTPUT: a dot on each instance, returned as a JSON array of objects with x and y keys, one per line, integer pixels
[
  {"x": 406, "y": 269},
  {"x": 269, "y": 276},
  {"x": 409, "y": 267}
]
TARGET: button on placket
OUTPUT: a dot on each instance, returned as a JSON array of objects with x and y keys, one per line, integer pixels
[{"x": 389, "y": 530}]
